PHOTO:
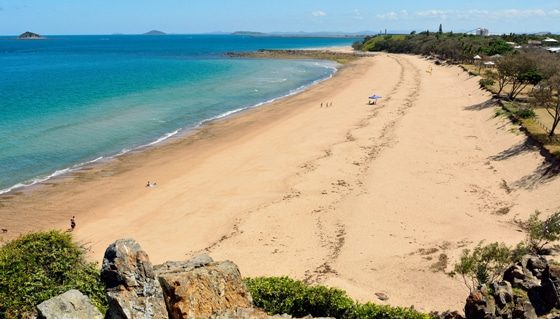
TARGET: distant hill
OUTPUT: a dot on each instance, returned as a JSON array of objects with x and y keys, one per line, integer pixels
[
  {"x": 250, "y": 33},
  {"x": 155, "y": 32},
  {"x": 29, "y": 36},
  {"x": 305, "y": 34}
]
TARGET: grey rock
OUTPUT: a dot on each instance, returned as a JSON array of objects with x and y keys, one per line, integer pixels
[
  {"x": 523, "y": 275},
  {"x": 503, "y": 293},
  {"x": 446, "y": 315},
  {"x": 381, "y": 296},
  {"x": 550, "y": 291},
  {"x": 523, "y": 310},
  {"x": 132, "y": 289},
  {"x": 69, "y": 305},
  {"x": 535, "y": 264}
]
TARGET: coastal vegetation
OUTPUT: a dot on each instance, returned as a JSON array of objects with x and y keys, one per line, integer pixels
[
  {"x": 485, "y": 264},
  {"x": 279, "y": 295},
  {"x": 39, "y": 266}
]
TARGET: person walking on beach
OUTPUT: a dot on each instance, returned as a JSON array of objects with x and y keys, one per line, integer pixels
[{"x": 72, "y": 223}]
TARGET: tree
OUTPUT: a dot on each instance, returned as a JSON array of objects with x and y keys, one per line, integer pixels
[
  {"x": 501, "y": 76},
  {"x": 547, "y": 95},
  {"x": 440, "y": 30},
  {"x": 483, "y": 265},
  {"x": 519, "y": 70}
]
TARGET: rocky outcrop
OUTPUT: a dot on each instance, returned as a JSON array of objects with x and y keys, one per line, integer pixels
[
  {"x": 531, "y": 288},
  {"x": 132, "y": 289},
  {"x": 202, "y": 292},
  {"x": 69, "y": 305}
]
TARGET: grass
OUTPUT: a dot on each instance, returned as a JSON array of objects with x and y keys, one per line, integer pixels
[{"x": 534, "y": 127}]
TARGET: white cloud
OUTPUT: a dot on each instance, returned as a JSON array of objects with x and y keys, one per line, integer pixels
[
  {"x": 318, "y": 13},
  {"x": 485, "y": 14},
  {"x": 357, "y": 15},
  {"x": 393, "y": 15},
  {"x": 432, "y": 13}
]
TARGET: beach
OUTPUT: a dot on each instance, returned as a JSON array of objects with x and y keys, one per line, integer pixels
[{"x": 367, "y": 198}]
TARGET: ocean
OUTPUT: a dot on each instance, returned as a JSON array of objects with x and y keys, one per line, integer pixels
[{"x": 68, "y": 101}]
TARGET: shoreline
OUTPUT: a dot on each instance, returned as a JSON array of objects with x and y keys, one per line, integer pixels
[
  {"x": 359, "y": 197},
  {"x": 182, "y": 132}
]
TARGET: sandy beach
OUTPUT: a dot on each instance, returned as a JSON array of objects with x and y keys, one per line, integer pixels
[{"x": 360, "y": 197}]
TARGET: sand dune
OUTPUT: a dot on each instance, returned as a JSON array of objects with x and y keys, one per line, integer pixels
[{"x": 365, "y": 198}]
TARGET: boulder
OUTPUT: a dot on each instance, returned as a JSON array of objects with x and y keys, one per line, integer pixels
[
  {"x": 69, "y": 305},
  {"x": 244, "y": 313},
  {"x": 480, "y": 305},
  {"x": 523, "y": 309},
  {"x": 446, "y": 315},
  {"x": 131, "y": 285},
  {"x": 526, "y": 274},
  {"x": 202, "y": 292},
  {"x": 550, "y": 291},
  {"x": 503, "y": 293}
]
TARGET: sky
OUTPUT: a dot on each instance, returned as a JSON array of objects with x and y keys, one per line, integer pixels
[{"x": 50, "y": 17}]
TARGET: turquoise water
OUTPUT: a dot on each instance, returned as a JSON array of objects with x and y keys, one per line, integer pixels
[{"x": 70, "y": 100}]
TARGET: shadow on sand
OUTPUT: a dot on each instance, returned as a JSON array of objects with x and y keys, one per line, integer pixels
[
  {"x": 481, "y": 106},
  {"x": 527, "y": 146}
]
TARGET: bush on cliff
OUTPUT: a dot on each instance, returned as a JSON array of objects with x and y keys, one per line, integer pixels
[
  {"x": 278, "y": 295},
  {"x": 39, "y": 266}
]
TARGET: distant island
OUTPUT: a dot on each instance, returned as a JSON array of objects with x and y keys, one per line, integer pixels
[
  {"x": 29, "y": 36},
  {"x": 155, "y": 32}
]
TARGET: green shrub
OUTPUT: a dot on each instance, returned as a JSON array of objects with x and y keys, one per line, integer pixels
[
  {"x": 486, "y": 82},
  {"x": 279, "y": 295},
  {"x": 525, "y": 113},
  {"x": 371, "y": 311},
  {"x": 540, "y": 233},
  {"x": 483, "y": 265},
  {"x": 39, "y": 266}
]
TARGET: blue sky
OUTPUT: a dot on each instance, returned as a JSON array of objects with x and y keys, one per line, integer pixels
[{"x": 201, "y": 16}]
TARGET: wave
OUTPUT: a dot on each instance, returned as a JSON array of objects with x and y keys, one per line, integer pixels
[
  {"x": 46, "y": 178},
  {"x": 76, "y": 167}
]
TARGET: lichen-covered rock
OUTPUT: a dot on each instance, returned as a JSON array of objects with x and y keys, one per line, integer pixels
[
  {"x": 182, "y": 266},
  {"x": 69, "y": 305},
  {"x": 242, "y": 313},
  {"x": 132, "y": 289},
  {"x": 202, "y": 292}
]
